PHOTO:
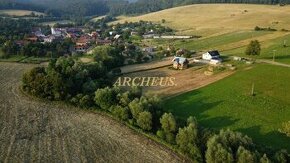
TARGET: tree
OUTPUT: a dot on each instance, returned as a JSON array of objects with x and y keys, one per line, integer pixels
[
  {"x": 121, "y": 112},
  {"x": 187, "y": 140},
  {"x": 285, "y": 128},
  {"x": 245, "y": 156},
  {"x": 226, "y": 144},
  {"x": 168, "y": 126},
  {"x": 136, "y": 108},
  {"x": 145, "y": 120},
  {"x": 168, "y": 123},
  {"x": 282, "y": 156},
  {"x": 254, "y": 48},
  {"x": 265, "y": 159},
  {"x": 106, "y": 97},
  {"x": 216, "y": 153}
]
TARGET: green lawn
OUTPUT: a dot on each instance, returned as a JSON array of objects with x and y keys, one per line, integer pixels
[
  {"x": 13, "y": 58},
  {"x": 228, "y": 104},
  {"x": 282, "y": 53}
]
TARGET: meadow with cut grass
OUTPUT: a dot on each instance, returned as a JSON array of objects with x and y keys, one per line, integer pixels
[
  {"x": 213, "y": 19},
  {"x": 228, "y": 103},
  {"x": 19, "y": 12},
  {"x": 227, "y": 27}
]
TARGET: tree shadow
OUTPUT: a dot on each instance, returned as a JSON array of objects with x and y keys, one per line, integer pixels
[
  {"x": 271, "y": 140},
  {"x": 187, "y": 105}
]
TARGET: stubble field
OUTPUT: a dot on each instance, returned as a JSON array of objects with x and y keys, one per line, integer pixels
[{"x": 37, "y": 131}]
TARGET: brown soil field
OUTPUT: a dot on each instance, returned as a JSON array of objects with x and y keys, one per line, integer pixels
[
  {"x": 36, "y": 131},
  {"x": 185, "y": 80}
]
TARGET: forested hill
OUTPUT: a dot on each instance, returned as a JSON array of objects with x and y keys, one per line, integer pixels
[{"x": 79, "y": 8}]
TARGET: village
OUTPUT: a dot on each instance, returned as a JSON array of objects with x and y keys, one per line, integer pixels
[{"x": 128, "y": 37}]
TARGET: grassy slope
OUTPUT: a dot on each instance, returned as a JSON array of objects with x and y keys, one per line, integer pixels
[
  {"x": 227, "y": 104},
  {"x": 19, "y": 12},
  {"x": 282, "y": 53},
  {"x": 227, "y": 27},
  {"x": 208, "y": 19}
]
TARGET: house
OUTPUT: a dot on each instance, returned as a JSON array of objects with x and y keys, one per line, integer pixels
[
  {"x": 211, "y": 55},
  {"x": 149, "y": 50},
  {"x": 134, "y": 33},
  {"x": 148, "y": 36},
  {"x": 32, "y": 39},
  {"x": 103, "y": 42},
  {"x": 116, "y": 37},
  {"x": 81, "y": 48},
  {"x": 180, "y": 63}
]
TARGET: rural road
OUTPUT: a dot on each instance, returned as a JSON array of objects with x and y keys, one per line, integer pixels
[
  {"x": 272, "y": 63},
  {"x": 34, "y": 131}
]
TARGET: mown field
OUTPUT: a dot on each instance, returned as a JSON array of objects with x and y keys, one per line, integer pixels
[
  {"x": 38, "y": 131},
  {"x": 269, "y": 49},
  {"x": 212, "y": 19},
  {"x": 19, "y": 12},
  {"x": 228, "y": 104}
]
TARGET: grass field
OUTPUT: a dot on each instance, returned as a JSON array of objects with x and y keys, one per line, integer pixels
[
  {"x": 52, "y": 23},
  {"x": 97, "y": 18},
  {"x": 38, "y": 131},
  {"x": 19, "y": 12},
  {"x": 13, "y": 58},
  {"x": 227, "y": 27},
  {"x": 228, "y": 104},
  {"x": 269, "y": 47},
  {"x": 211, "y": 19}
]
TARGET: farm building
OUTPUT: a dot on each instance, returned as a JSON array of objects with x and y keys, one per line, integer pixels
[
  {"x": 180, "y": 63},
  {"x": 211, "y": 55}
]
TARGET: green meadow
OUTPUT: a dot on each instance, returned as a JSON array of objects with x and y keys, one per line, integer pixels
[
  {"x": 269, "y": 48},
  {"x": 228, "y": 103}
]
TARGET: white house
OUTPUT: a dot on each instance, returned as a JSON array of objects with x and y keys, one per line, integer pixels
[{"x": 211, "y": 55}]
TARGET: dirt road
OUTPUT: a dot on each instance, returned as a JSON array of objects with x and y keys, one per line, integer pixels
[
  {"x": 185, "y": 80},
  {"x": 34, "y": 131}
]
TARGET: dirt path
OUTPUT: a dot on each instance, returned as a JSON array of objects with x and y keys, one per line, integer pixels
[
  {"x": 185, "y": 80},
  {"x": 33, "y": 131},
  {"x": 272, "y": 62}
]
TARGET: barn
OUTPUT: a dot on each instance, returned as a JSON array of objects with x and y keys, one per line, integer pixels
[{"x": 180, "y": 63}]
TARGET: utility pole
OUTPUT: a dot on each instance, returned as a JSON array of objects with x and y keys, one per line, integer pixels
[
  {"x": 274, "y": 55},
  {"x": 253, "y": 89}
]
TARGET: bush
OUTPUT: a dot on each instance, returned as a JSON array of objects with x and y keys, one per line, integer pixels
[{"x": 285, "y": 128}]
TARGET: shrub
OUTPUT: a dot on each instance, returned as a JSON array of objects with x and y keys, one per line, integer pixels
[{"x": 285, "y": 128}]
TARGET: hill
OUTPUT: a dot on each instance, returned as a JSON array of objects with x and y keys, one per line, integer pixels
[{"x": 216, "y": 18}]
